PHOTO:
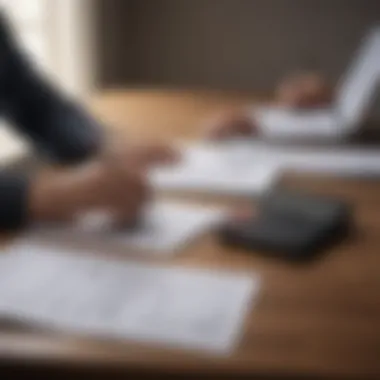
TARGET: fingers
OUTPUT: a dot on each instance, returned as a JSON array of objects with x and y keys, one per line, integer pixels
[
  {"x": 130, "y": 212},
  {"x": 127, "y": 220},
  {"x": 304, "y": 90},
  {"x": 155, "y": 154},
  {"x": 229, "y": 126},
  {"x": 141, "y": 156},
  {"x": 135, "y": 196},
  {"x": 164, "y": 155},
  {"x": 217, "y": 132},
  {"x": 243, "y": 214}
]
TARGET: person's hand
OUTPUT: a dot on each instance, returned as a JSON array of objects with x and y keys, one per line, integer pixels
[
  {"x": 140, "y": 155},
  {"x": 304, "y": 90},
  {"x": 116, "y": 189},
  {"x": 229, "y": 125}
]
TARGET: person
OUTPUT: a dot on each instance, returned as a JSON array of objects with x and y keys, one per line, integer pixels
[
  {"x": 97, "y": 176},
  {"x": 302, "y": 90}
]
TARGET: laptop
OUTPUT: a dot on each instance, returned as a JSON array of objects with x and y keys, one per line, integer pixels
[{"x": 354, "y": 97}]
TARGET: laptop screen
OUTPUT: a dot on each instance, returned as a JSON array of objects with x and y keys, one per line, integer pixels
[{"x": 357, "y": 90}]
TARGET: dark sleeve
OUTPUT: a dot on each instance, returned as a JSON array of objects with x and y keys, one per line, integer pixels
[
  {"x": 13, "y": 201},
  {"x": 57, "y": 126}
]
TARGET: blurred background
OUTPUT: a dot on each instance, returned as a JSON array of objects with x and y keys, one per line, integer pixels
[
  {"x": 234, "y": 45},
  {"x": 245, "y": 45},
  {"x": 59, "y": 34},
  {"x": 226, "y": 44}
]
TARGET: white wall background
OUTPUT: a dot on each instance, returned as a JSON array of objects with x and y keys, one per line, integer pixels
[{"x": 59, "y": 37}]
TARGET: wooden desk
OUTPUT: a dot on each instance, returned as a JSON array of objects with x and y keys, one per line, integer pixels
[{"x": 320, "y": 320}]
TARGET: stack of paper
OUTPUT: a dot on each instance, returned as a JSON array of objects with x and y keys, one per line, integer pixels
[
  {"x": 216, "y": 168},
  {"x": 337, "y": 161},
  {"x": 182, "y": 307},
  {"x": 305, "y": 125},
  {"x": 249, "y": 167}
]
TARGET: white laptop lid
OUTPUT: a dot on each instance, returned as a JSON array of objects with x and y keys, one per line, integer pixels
[{"x": 357, "y": 90}]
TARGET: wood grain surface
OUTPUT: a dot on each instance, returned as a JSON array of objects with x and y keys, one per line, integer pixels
[{"x": 317, "y": 320}]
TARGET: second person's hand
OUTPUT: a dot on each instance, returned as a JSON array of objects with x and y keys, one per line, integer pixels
[
  {"x": 229, "y": 125},
  {"x": 139, "y": 155}
]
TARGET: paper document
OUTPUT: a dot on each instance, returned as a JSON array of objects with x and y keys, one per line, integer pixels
[
  {"x": 188, "y": 308},
  {"x": 350, "y": 162},
  {"x": 215, "y": 168},
  {"x": 277, "y": 122},
  {"x": 338, "y": 161},
  {"x": 355, "y": 96},
  {"x": 166, "y": 227}
]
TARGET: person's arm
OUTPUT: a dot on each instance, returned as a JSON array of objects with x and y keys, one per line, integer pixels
[
  {"x": 56, "y": 125},
  {"x": 108, "y": 180},
  {"x": 97, "y": 186},
  {"x": 13, "y": 201}
]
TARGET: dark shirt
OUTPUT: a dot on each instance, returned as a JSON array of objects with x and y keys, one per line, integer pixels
[{"x": 58, "y": 128}]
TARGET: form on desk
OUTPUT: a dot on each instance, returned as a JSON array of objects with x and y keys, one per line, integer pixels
[
  {"x": 253, "y": 167},
  {"x": 337, "y": 161},
  {"x": 166, "y": 227},
  {"x": 188, "y": 308},
  {"x": 216, "y": 168}
]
